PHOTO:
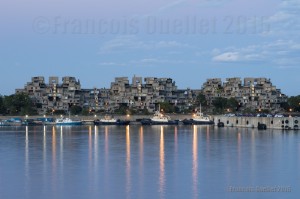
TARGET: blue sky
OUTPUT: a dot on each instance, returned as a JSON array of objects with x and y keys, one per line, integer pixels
[{"x": 188, "y": 40}]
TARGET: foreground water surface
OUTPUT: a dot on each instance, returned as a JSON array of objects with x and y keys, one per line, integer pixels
[{"x": 148, "y": 162}]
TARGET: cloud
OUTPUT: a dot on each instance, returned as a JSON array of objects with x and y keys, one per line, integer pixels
[
  {"x": 278, "y": 53},
  {"x": 172, "y": 5},
  {"x": 159, "y": 61},
  {"x": 286, "y": 21},
  {"x": 110, "y": 64},
  {"x": 131, "y": 42},
  {"x": 184, "y": 4},
  {"x": 227, "y": 57}
]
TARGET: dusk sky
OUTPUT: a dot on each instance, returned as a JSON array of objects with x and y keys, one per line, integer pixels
[{"x": 187, "y": 40}]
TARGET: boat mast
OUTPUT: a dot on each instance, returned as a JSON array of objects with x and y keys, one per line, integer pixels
[{"x": 200, "y": 107}]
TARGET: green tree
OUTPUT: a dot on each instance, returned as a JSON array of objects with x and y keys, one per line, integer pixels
[
  {"x": 2, "y": 106},
  {"x": 167, "y": 107},
  {"x": 85, "y": 111},
  {"x": 19, "y": 104},
  {"x": 232, "y": 103},
  {"x": 219, "y": 104},
  {"x": 75, "y": 110},
  {"x": 201, "y": 99},
  {"x": 294, "y": 103},
  {"x": 123, "y": 108}
]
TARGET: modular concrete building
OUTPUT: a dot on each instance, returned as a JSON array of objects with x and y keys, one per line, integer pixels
[{"x": 252, "y": 93}]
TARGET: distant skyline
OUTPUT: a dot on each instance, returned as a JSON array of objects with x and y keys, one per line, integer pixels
[{"x": 187, "y": 40}]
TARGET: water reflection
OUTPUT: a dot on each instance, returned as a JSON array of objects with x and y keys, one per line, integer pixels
[
  {"x": 45, "y": 151},
  {"x": 54, "y": 164},
  {"x": 106, "y": 156},
  {"x": 54, "y": 148},
  {"x": 61, "y": 151},
  {"x": 106, "y": 142},
  {"x": 90, "y": 146},
  {"x": 253, "y": 151},
  {"x": 128, "y": 169},
  {"x": 144, "y": 161},
  {"x": 239, "y": 150},
  {"x": 207, "y": 141},
  {"x": 141, "y": 155},
  {"x": 141, "y": 149},
  {"x": 26, "y": 151},
  {"x": 161, "y": 163},
  {"x": 195, "y": 162},
  {"x": 95, "y": 171},
  {"x": 175, "y": 140},
  {"x": 95, "y": 146}
]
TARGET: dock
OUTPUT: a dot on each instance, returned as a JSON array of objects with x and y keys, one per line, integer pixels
[{"x": 287, "y": 123}]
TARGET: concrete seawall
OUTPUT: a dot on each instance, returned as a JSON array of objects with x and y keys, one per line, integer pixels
[
  {"x": 252, "y": 122},
  {"x": 246, "y": 122},
  {"x": 91, "y": 117}
]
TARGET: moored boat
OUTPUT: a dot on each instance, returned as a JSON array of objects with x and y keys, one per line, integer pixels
[
  {"x": 4, "y": 123},
  {"x": 159, "y": 119},
  {"x": 67, "y": 121},
  {"x": 109, "y": 120},
  {"x": 32, "y": 122},
  {"x": 198, "y": 119}
]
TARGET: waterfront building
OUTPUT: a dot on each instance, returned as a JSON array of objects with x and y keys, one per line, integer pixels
[
  {"x": 138, "y": 95},
  {"x": 253, "y": 93},
  {"x": 53, "y": 96},
  {"x": 144, "y": 94}
]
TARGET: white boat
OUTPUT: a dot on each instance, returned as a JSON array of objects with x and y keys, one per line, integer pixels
[
  {"x": 109, "y": 120},
  {"x": 199, "y": 118},
  {"x": 67, "y": 121},
  {"x": 159, "y": 118}
]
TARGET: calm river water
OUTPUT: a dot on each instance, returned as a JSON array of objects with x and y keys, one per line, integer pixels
[{"x": 181, "y": 162}]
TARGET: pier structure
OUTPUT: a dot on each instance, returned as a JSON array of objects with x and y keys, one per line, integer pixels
[{"x": 253, "y": 122}]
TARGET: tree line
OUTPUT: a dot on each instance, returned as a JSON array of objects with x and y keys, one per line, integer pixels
[
  {"x": 17, "y": 104},
  {"x": 21, "y": 104}
]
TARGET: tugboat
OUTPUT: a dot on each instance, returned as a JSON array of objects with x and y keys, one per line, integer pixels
[
  {"x": 67, "y": 122},
  {"x": 198, "y": 119},
  {"x": 159, "y": 119},
  {"x": 109, "y": 120}
]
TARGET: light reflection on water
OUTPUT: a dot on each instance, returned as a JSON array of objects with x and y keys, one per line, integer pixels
[
  {"x": 162, "y": 164},
  {"x": 145, "y": 162},
  {"x": 128, "y": 169},
  {"x": 195, "y": 162}
]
